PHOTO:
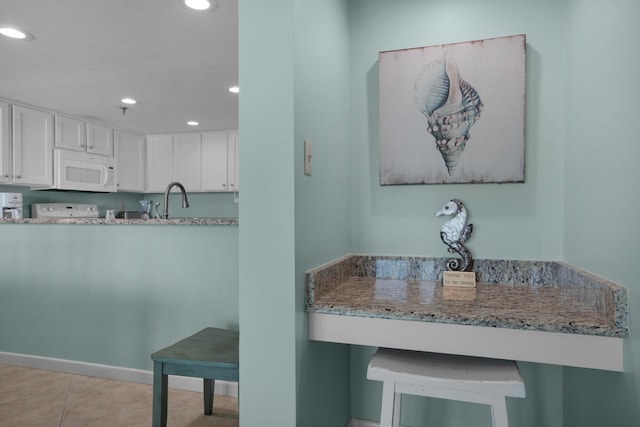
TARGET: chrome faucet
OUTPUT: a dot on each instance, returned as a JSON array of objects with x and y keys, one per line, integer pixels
[{"x": 185, "y": 202}]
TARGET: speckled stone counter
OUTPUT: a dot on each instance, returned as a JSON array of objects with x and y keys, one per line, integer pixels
[
  {"x": 103, "y": 221},
  {"x": 545, "y": 296},
  {"x": 536, "y": 296}
]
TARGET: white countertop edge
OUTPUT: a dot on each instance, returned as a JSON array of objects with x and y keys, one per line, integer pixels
[{"x": 583, "y": 351}]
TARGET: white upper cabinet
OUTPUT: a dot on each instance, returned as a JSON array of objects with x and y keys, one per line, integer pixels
[
  {"x": 219, "y": 161},
  {"x": 214, "y": 161},
  {"x": 130, "y": 157},
  {"x": 99, "y": 139},
  {"x": 174, "y": 158},
  {"x": 78, "y": 135},
  {"x": 159, "y": 163},
  {"x": 5, "y": 145},
  {"x": 232, "y": 161},
  {"x": 32, "y": 147},
  {"x": 187, "y": 168},
  {"x": 205, "y": 162},
  {"x": 70, "y": 133}
]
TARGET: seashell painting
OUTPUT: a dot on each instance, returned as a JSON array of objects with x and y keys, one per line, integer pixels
[
  {"x": 453, "y": 113},
  {"x": 451, "y": 106}
]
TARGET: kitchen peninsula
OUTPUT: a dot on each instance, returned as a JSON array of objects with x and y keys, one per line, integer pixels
[{"x": 101, "y": 292}]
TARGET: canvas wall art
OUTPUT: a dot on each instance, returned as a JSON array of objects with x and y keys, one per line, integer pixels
[{"x": 453, "y": 113}]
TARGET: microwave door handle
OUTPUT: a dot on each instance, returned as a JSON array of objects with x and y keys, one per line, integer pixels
[
  {"x": 105, "y": 175},
  {"x": 109, "y": 175}
]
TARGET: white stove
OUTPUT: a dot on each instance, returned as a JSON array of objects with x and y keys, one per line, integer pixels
[{"x": 64, "y": 210}]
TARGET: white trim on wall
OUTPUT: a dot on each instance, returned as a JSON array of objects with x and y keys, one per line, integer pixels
[
  {"x": 226, "y": 388},
  {"x": 354, "y": 422}
]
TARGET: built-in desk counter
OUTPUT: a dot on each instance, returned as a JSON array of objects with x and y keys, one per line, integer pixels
[
  {"x": 537, "y": 311},
  {"x": 103, "y": 221}
]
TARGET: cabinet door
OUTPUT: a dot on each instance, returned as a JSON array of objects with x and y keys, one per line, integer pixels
[
  {"x": 5, "y": 145},
  {"x": 129, "y": 150},
  {"x": 159, "y": 170},
  {"x": 232, "y": 160},
  {"x": 214, "y": 161},
  {"x": 187, "y": 166},
  {"x": 70, "y": 133},
  {"x": 99, "y": 139},
  {"x": 32, "y": 146}
]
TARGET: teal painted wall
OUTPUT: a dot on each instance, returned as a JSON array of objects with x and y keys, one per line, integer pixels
[
  {"x": 291, "y": 222},
  {"x": 382, "y": 220},
  {"x": 399, "y": 220},
  {"x": 601, "y": 184},
  {"x": 267, "y": 214},
  {"x": 322, "y": 199},
  {"x": 113, "y": 294}
]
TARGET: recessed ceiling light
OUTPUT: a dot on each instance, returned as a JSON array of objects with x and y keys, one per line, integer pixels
[
  {"x": 197, "y": 4},
  {"x": 15, "y": 33},
  {"x": 234, "y": 89},
  {"x": 193, "y": 123},
  {"x": 129, "y": 101}
]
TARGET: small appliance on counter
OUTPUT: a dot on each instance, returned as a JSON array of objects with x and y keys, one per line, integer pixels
[
  {"x": 128, "y": 215},
  {"x": 145, "y": 208},
  {"x": 11, "y": 205},
  {"x": 64, "y": 210}
]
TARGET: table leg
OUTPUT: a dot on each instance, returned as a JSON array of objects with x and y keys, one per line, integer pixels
[
  {"x": 160, "y": 390},
  {"x": 209, "y": 385}
]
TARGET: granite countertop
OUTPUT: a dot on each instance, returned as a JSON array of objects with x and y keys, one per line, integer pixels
[
  {"x": 528, "y": 295},
  {"x": 103, "y": 221}
]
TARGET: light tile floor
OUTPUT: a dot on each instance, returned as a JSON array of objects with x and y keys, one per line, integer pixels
[{"x": 37, "y": 398}]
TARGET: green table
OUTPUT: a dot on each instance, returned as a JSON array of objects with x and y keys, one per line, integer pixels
[{"x": 209, "y": 354}]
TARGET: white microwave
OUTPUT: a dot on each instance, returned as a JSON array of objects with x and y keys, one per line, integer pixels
[{"x": 80, "y": 171}]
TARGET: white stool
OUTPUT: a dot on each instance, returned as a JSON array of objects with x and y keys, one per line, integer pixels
[{"x": 463, "y": 378}]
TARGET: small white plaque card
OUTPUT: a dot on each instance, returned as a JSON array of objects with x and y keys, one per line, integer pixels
[{"x": 459, "y": 279}]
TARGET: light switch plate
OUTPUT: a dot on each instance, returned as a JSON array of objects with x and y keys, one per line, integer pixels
[{"x": 307, "y": 158}]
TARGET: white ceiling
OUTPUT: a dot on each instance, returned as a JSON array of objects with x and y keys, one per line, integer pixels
[{"x": 88, "y": 54}]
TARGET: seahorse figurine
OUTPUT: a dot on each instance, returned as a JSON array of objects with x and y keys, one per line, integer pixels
[{"x": 454, "y": 233}]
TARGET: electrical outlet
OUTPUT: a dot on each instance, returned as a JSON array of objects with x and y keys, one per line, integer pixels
[{"x": 307, "y": 158}]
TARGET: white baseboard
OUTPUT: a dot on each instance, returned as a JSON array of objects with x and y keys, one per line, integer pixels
[
  {"x": 354, "y": 422},
  {"x": 226, "y": 388}
]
